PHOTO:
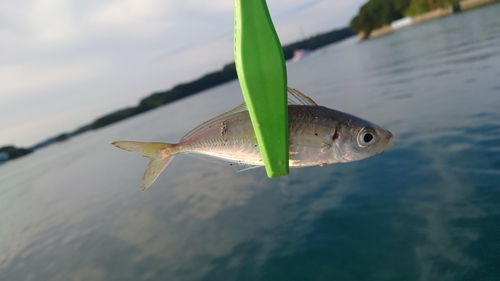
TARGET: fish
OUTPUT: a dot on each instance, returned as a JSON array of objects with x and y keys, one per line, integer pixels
[{"x": 317, "y": 136}]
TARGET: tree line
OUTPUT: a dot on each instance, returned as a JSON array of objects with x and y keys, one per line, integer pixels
[
  {"x": 377, "y": 13},
  {"x": 14, "y": 152}
]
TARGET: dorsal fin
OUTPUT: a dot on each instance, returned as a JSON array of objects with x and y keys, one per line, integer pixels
[{"x": 295, "y": 97}]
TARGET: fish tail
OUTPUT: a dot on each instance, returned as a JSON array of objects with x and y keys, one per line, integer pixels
[{"x": 161, "y": 155}]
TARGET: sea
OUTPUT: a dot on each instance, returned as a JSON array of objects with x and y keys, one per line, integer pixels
[{"x": 426, "y": 209}]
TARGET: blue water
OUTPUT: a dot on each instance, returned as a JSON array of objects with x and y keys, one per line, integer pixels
[{"x": 427, "y": 209}]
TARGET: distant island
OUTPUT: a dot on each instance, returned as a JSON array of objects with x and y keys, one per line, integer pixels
[
  {"x": 216, "y": 78},
  {"x": 11, "y": 152},
  {"x": 379, "y": 17},
  {"x": 377, "y": 13}
]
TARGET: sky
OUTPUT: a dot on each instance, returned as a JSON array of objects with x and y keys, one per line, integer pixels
[{"x": 64, "y": 63}]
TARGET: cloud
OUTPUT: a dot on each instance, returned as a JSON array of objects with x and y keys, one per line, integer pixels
[
  {"x": 52, "y": 21},
  {"x": 28, "y": 77},
  {"x": 209, "y": 7},
  {"x": 129, "y": 12}
]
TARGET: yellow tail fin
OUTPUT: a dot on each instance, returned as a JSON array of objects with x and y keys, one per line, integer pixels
[{"x": 158, "y": 152}]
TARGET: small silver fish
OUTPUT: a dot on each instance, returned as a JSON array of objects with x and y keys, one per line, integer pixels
[{"x": 318, "y": 136}]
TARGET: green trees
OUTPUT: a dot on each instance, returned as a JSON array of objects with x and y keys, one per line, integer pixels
[
  {"x": 317, "y": 41},
  {"x": 421, "y": 6},
  {"x": 376, "y": 13},
  {"x": 14, "y": 152}
]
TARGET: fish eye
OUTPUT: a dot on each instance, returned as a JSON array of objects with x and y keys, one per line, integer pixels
[{"x": 366, "y": 137}]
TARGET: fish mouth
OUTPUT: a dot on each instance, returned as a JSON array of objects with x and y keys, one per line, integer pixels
[{"x": 391, "y": 141}]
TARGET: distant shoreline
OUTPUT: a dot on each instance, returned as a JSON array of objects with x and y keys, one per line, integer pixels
[
  {"x": 431, "y": 15},
  {"x": 210, "y": 80}
]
